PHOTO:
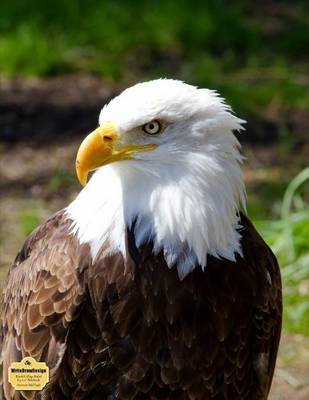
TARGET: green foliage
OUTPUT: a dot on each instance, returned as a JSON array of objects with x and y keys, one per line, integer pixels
[
  {"x": 60, "y": 179},
  {"x": 288, "y": 238},
  {"x": 29, "y": 219},
  {"x": 210, "y": 43}
]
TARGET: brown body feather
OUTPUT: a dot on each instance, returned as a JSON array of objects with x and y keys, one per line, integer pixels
[{"x": 116, "y": 329}]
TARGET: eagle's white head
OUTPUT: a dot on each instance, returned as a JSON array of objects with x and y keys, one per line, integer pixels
[{"x": 167, "y": 161}]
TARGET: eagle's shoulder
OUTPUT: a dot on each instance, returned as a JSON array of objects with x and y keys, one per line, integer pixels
[
  {"x": 258, "y": 256},
  {"x": 45, "y": 285},
  {"x": 50, "y": 250},
  {"x": 53, "y": 225}
]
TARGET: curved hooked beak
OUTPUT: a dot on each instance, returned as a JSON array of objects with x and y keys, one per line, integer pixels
[{"x": 101, "y": 147}]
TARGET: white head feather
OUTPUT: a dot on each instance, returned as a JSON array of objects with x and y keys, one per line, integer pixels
[{"x": 184, "y": 196}]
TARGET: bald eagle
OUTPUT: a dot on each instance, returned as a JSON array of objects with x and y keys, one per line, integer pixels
[{"x": 151, "y": 284}]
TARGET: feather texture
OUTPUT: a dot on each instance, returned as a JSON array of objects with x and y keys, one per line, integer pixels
[{"x": 130, "y": 329}]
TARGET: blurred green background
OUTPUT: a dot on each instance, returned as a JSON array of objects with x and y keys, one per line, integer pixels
[
  {"x": 60, "y": 61},
  {"x": 216, "y": 43}
]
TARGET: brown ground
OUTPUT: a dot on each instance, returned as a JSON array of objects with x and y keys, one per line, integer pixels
[{"x": 41, "y": 126}]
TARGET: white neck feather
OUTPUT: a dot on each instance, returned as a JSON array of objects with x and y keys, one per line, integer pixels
[{"x": 187, "y": 212}]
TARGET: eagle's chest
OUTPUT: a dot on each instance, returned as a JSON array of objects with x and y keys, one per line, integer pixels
[{"x": 158, "y": 333}]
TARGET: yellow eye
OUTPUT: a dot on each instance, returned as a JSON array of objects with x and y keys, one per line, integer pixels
[{"x": 152, "y": 127}]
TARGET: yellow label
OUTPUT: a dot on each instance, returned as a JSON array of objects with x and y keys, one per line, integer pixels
[{"x": 28, "y": 374}]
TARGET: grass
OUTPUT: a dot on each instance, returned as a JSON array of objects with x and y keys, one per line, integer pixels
[
  {"x": 59, "y": 181},
  {"x": 29, "y": 219},
  {"x": 210, "y": 43},
  {"x": 288, "y": 238}
]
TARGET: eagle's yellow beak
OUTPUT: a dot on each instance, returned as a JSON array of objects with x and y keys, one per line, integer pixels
[{"x": 100, "y": 147}]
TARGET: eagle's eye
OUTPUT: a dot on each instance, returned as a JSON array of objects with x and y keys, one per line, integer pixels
[{"x": 152, "y": 127}]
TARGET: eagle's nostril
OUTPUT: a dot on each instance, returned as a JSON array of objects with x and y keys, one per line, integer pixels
[{"x": 107, "y": 138}]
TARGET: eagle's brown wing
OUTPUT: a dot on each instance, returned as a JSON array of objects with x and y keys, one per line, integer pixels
[
  {"x": 267, "y": 317},
  {"x": 41, "y": 295}
]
